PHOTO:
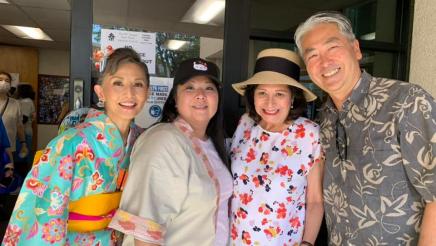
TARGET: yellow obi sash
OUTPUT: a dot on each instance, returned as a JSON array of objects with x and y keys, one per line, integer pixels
[{"x": 94, "y": 212}]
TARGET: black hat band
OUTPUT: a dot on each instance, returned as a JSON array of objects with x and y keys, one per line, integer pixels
[{"x": 279, "y": 65}]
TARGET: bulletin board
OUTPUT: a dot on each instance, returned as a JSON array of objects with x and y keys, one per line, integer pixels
[{"x": 53, "y": 96}]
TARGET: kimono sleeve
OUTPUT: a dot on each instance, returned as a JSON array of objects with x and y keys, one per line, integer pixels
[
  {"x": 418, "y": 142},
  {"x": 156, "y": 187},
  {"x": 41, "y": 211}
]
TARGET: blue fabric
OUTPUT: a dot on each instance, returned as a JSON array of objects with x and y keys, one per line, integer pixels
[
  {"x": 3, "y": 137},
  {"x": 5, "y": 183}
]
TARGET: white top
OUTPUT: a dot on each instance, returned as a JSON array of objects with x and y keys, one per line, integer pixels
[
  {"x": 270, "y": 179},
  {"x": 27, "y": 109},
  {"x": 226, "y": 190}
]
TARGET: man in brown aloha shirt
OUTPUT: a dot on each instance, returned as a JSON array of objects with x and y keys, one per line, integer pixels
[{"x": 379, "y": 136}]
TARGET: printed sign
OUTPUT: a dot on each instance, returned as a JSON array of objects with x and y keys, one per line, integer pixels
[
  {"x": 157, "y": 95},
  {"x": 142, "y": 42}
]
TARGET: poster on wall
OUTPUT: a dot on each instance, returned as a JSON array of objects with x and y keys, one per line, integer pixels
[
  {"x": 157, "y": 95},
  {"x": 53, "y": 96},
  {"x": 142, "y": 42}
]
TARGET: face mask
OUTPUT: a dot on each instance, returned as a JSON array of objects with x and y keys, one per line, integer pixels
[{"x": 4, "y": 86}]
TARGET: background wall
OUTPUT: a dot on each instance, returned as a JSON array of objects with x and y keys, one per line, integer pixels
[
  {"x": 22, "y": 60},
  {"x": 51, "y": 62},
  {"x": 423, "y": 52}
]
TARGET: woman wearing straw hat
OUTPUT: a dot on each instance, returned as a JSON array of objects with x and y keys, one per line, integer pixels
[{"x": 276, "y": 158}]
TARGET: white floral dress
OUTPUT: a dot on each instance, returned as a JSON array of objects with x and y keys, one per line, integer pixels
[{"x": 270, "y": 178}]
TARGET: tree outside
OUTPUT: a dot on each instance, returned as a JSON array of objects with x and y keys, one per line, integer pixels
[{"x": 166, "y": 59}]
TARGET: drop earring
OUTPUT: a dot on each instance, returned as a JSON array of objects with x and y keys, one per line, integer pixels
[{"x": 100, "y": 103}]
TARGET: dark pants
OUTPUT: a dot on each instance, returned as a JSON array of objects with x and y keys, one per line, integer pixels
[{"x": 7, "y": 203}]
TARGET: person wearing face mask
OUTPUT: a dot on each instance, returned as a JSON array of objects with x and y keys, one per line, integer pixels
[{"x": 11, "y": 114}]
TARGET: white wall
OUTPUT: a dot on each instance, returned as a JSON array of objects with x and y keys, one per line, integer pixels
[
  {"x": 51, "y": 62},
  {"x": 423, "y": 52}
]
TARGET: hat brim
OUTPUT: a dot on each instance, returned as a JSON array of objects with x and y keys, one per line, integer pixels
[{"x": 272, "y": 78}]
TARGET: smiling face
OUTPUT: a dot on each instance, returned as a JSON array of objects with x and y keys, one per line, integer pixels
[
  {"x": 272, "y": 103},
  {"x": 197, "y": 102},
  {"x": 124, "y": 93},
  {"x": 332, "y": 60}
]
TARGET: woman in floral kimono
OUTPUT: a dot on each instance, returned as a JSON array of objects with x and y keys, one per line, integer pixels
[{"x": 70, "y": 194}]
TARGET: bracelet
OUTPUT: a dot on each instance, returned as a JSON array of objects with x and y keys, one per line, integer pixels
[{"x": 306, "y": 243}]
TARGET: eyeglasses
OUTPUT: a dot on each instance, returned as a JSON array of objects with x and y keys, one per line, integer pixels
[{"x": 341, "y": 140}]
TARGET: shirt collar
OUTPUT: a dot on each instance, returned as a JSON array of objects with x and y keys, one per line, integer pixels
[
  {"x": 360, "y": 91},
  {"x": 357, "y": 95}
]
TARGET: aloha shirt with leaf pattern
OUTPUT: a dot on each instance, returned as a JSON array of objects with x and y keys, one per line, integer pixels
[{"x": 377, "y": 195}]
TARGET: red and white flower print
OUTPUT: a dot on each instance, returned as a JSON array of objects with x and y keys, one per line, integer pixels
[{"x": 269, "y": 171}]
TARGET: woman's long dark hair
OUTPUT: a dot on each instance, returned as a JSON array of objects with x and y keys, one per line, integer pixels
[
  {"x": 25, "y": 91},
  {"x": 214, "y": 129}
]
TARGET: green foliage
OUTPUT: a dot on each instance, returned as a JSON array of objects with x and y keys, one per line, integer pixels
[{"x": 166, "y": 59}]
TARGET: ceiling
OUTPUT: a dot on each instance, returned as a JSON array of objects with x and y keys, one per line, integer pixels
[{"x": 53, "y": 16}]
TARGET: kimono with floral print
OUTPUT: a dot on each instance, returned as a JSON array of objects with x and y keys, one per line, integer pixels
[
  {"x": 376, "y": 194},
  {"x": 270, "y": 179},
  {"x": 82, "y": 161}
]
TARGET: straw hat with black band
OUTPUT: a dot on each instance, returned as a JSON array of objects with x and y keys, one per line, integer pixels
[{"x": 276, "y": 66}]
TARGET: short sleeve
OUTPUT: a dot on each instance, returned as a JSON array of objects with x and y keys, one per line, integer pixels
[
  {"x": 418, "y": 142},
  {"x": 156, "y": 187},
  {"x": 242, "y": 133},
  {"x": 317, "y": 152}
]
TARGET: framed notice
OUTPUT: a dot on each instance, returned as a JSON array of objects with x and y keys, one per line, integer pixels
[
  {"x": 144, "y": 43},
  {"x": 53, "y": 96}
]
